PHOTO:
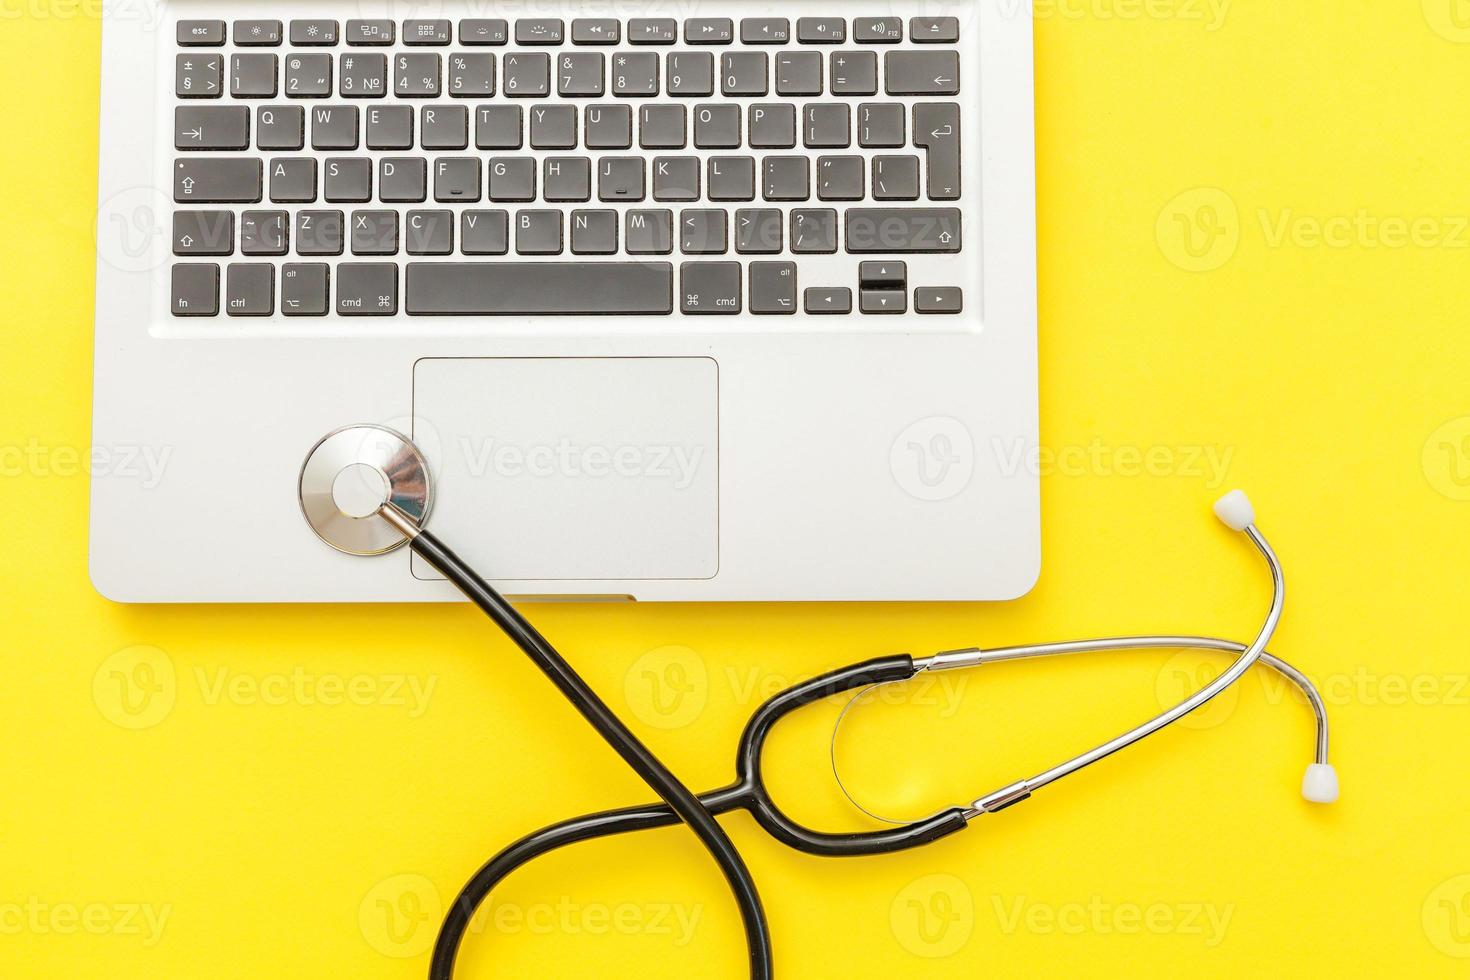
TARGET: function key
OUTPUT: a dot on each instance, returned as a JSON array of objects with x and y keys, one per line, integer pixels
[
  {"x": 370, "y": 32},
  {"x": 314, "y": 33},
  {"x": 652, "y": 30},
  {"x": 821, "y": 30},
  {"x": 483, "y": 31},
  {"x": 877, "y": 30},
  {"x": 257, "y": 32},
  {"x": 539, "y": 30},
  {"x": 765, "y": 30},
  {"x": 427, "y": 32},
  {"x": 709, "y": 30},
  {"x": 934, "y": 30},
  {"x": 596, "y": 30},
  {"x": 201, "y": 33}
]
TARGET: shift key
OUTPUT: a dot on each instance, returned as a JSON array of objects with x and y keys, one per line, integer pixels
[
  {"x": 903, "y": 230},
  {"x": 217, "y": 180}
]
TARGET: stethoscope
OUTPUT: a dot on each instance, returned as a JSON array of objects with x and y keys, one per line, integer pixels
[{"x": 366, "y": 490}]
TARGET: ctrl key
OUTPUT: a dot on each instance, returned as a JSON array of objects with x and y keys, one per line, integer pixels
[
  {"x": 195, "y": 289},
  {"x": 367, "y": 289},
  {"x": 304, "y": 288}
]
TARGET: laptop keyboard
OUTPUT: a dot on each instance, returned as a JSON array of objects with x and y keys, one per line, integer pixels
[{"x": 534, "y": 166}]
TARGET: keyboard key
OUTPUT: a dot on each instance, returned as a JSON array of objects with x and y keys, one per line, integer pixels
[
  {"x": 938, "y": 299},
  {"x": 579, "y": 73},
  {"x": 825, "y": 300},
  {"x": 200, "y": 33},
  {"x": 899, "y": 230},
  {"x": 479, "y": 30},
  {"x": 483, "y": 232},
  {"x": 758, "y": 231},
  {"x": 821, "y": 30},
  {"x": 652, "y": 30},
  {"x": 649, "y": 232},
  {"x": 596, "y": 30},
  {"x": 314, "y": 33},
  {"x": 731, "y": 179},
  {"x": 445, "y": 127},
  {"x": 194, "y": 289},
  {"x": 512, "y": 179},
  {"x": 472, "y": 74},
  {"x": 691, "y": 73},
  {"x": 211, "y": 127},
  {"x": 428, "y": 233},
  {"x": 935, "y": 72},
  {"x": 826, "y": 125},
  {"x": 553, "y": 127},
  {"x": 785, "y": 178},
  {"x": 498, "y": 127},
  {"x": 566, "y": 179},
  {"x": 813, "y": 230},
  {"x": 293, "y": 180},
  {"x": 308, "y": 76},
  {"x": 217, "y": 180},
  {"x": 676, "y": 178},
  {"x": 402, "y": 180},
  {"x": 364, "y": 76},
  {"x": 199, "y": 76},
  {"x": 799, "y": 73},
  {"x": 880, "y": 124},
  {"x": 457, "y": 179},
  {"x": 840, "y": 178},
  {"x": 318, "y": 233},
  {"x": 773, "y": 125},
  {"x": 538, "y": 232},
  {"x": 348, "y": 180},
  {"x": 539, "y": 30},
  {"x": 304, "y": 288},
  {"x": 885, "y": 274},
  {"x": 526, "y": 76},
  {"x": 620, "y": 179},
  {"x": 896, "y": 178},
  {"x": 661, "y": 127},
  {"x": 744, "y": 72},
  {"x": 937, "y": 129},
  {"x": 635, "y": 73},
  {"x": 416, "y": 76},
  {"x": 854, "y": 72},
  {"x": 252, "y": 33},
  {"x": 773, "y": 287},
  {"x": 765, "y": 30},
  {"x": 334, "y": 127},
  {"x": 877, "y": 30},
  {"x": 427, "y": 32},
  {"x": 280, "y": 127},
  {"x": 709, "y": 30},
  {"x": 367, "y": 289},
  {"x": 709, "y": 287},
  {"x": 609, "y": 127},
  {"x": 253, "y": 76},
  {"x": 371, "y": 32},
  {"x": 882, "y": 300},
  {"x": 934, "y": 30},
  {"x": 702, "y": 231},
  {"x": 531, "y": 288},
  {"x": 594, "y": 232},
  {"x": 250, "y": 289},
  {"x": 717, "y": 126},
  {"x": 263, "y": 232},
  {"x": 204, "y": 232}
]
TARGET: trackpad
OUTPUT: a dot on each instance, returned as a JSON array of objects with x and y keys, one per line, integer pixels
[{"x": 573, "y": 468}]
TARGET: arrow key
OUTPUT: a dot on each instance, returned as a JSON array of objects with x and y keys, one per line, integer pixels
[
  {"x": 883, "y": 301},
  {"x": 824, "y": 300},
  {"x": 938, "y": 299}
]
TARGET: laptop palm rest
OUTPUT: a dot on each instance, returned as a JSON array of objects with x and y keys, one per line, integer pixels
[{"x": 573, "y": 469}]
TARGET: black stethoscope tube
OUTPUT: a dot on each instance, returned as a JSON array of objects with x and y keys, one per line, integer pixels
[{"x": 681, "y": 801}]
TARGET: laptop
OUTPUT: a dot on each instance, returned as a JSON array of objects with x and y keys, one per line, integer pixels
[{"x": 694, "y": 302}]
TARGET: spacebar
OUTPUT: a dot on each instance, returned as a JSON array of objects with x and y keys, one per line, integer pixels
[{"x": 511, "y": 288}]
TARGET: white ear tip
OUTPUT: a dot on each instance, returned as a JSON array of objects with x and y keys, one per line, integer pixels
[
  {"x": 1319, "y": 784},
  {"x": 1235, "y": 510}
]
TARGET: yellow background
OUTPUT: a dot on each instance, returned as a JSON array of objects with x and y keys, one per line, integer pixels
[{"x": 276, "y": 835}]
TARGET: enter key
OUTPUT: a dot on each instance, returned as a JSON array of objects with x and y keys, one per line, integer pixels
[{"x": 937, "y": 129}]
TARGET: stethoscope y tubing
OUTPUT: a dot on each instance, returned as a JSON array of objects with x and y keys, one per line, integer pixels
[{"x": 680, "y": 799}]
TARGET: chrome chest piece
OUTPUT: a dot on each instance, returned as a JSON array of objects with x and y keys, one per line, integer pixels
[{"x": 349, "y": 475}]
